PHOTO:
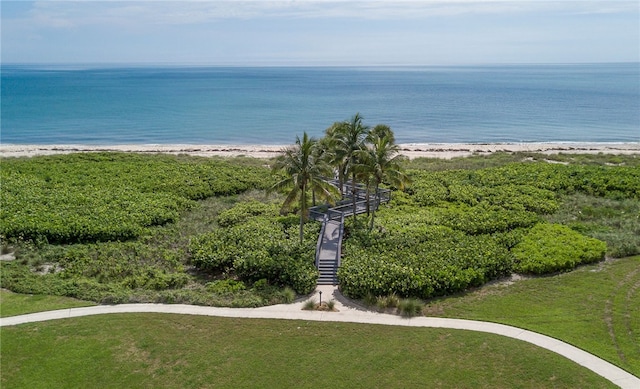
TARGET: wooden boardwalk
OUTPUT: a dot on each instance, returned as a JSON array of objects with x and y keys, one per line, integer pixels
[
  {"x": 329, "y": 247},
  {"x": 344, "y": 207}
]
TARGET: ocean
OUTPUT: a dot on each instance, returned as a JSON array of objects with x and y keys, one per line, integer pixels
[{"x": 271, "y": 105}]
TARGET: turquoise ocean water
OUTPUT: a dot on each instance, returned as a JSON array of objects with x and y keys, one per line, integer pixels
[{"x": 234, "y": 105}]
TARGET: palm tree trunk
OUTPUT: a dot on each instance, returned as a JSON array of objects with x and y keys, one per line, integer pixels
[
  {"x": 303, "y": 205},
  {"x": 368, "y": 194},
  {"x": 373, "y": 213},
  {"x": 354, "y": 191}
]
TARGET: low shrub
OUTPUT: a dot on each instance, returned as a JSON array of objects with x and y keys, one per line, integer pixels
[
  {"x": 121, "y": 218},
  {"x": 260, "y": 248},
  {"x": 247, "y": 301},
  {"x": 225, "y": 286},
  {"x": 456, "y": 229},
  {"x": 244, "y": 211},
  {"x": 613, "y": 221},
  {"x": 484, "y": 218},
  {"x": 273, "y": 294},
  {"x": 262, "y": 285},
  {"x": 90, "y": 197},
  {"x": 436, "y": 261},
  {"x": 369, "y": 299},
  {"x": 288, "y": 295},
  {"x": 549, "y": 248},
  {"x": 386, "y": 302},
  {"x": 410, "y": 307}
]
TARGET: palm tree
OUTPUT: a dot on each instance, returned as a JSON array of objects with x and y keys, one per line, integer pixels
[
  {"x": 382, "y": 130},
  {"x": 349, "y": 140},
  {"x": 303, "y": 170},
  {"x": 334, "y": 155},
  {"x": 323, "y": 151},
  {"x": 364, "y": 172},
  {"x": 382, "y": 161}
]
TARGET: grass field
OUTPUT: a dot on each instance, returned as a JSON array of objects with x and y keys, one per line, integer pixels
[
  {"x": 12, "y": 304},
  {"x": 595, "y": 307},
  {"x": 162, "y": 350},
  {"x": 168, "y": 350}
]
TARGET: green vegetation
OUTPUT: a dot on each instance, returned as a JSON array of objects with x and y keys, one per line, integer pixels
[
  {"x": 259, "y": 248},
  {"x": 368, "y": 156},
  {"x": 12, "y": 304},
  {"x": 310, "y": 305},
  {"x": 410, "y": 307},
  {"x": 381, "y": 163},
  {"x": 420, "y": 261},
  {"x": 86, "y": 197},
  {"x": 615, "y": 221},
  {"x": 67, "y": 242},
  {"x": 303, "y": 169},
  {"x": 115, "y": 227},
  {"x": 596, "y": 308},
  {"x": 155, "y": 350},
  {"x": 548, "y": 248},
  {"x": 346, "y": 141},
  {"x": 457, "y": 229},
  {"x": 501, "y": 158}
]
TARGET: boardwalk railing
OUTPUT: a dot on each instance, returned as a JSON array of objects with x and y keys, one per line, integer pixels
[
  {"x": 319, "y": 212},
  {"x": 320, "y": 238},
  {"x": 341, "y": 233},
  {"x": 344, "y": 207}
]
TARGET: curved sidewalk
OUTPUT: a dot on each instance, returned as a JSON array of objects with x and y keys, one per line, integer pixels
[{"x": 352, "y": 314}]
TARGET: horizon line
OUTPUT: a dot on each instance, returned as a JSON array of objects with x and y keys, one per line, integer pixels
[{"x": 304, "y": 65}]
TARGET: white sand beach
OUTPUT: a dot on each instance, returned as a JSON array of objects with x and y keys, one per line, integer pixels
[{"x": 411, "y": 150}]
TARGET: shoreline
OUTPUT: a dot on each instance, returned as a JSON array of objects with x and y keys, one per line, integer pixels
[{"x": 410, "y": 150}]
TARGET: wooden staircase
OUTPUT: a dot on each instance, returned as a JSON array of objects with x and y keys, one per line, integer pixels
[{"x": 328, "y": 272}]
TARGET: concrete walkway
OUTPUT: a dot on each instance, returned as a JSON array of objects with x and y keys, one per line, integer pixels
[{"x": 351, "y": 313}]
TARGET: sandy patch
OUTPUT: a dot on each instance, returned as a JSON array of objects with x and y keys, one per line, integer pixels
[
  {"x": 8, "y": 257},
  {"x": 411, "y": 150}
]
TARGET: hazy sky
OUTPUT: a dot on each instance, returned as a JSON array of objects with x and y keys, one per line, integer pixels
[{"x": 439, "y": 32}]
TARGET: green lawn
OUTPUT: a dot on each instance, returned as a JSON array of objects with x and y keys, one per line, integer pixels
[
  {"x": 12, "y": 304},
  {"x": 595, "y": 307},
  {"x": 164, "y": 350}
]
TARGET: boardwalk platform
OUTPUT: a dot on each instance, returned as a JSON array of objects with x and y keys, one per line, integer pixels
[{"x": 329, "y": 247}]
